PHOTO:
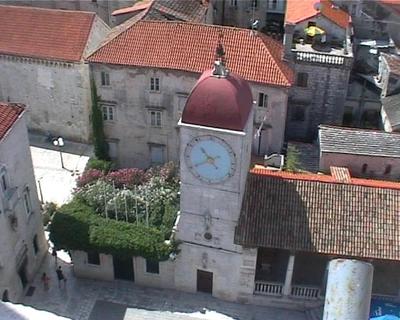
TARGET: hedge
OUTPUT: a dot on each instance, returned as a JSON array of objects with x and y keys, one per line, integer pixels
[{"x": 76, "y": 226}]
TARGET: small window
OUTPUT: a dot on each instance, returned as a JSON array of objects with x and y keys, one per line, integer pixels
[
  {"x": 93, "y": 258},
  {"x": 298, "y": 113},
  {"x": 388, "y": 169},
  {"x": 274, "y": 4},
  {"x": 27, "y": 201},
  {"x": 364, "y": 168},
  {"x": 155, "y": 119},
  {"x": 234, "y": 3},
  {"x": 157, "y": 154},
  {"x": 152, "y": 266},
  {"x": 108, "y": 113},
  {"x": 254, "y": 4},
  {"x": 35, "y": 244},
  {"x": 262, "y": 100},
  {"x": 3, "y": 181},
  {"x": 105, "y": 78},
  {"x": 302, "y": 79},
  {"x": 154, "y": 84}
]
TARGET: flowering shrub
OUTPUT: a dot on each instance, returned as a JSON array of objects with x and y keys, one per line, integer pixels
[
  {"x": 89, "y": 176},
  {"x": 126, "y": 177}
]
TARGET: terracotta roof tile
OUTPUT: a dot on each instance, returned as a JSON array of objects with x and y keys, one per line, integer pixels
[
  {"x": 310, "y": 213},
  {"x": 44, "y": 33},
  {"x": 191, "y": 47},
  {"x": 9, "y": 114},
  {"x": 300, "y": 10},
  {"x": 393, "y": 62}
]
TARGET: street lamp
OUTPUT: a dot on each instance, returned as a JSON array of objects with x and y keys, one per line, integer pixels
[{"x": 59, "y": 142}]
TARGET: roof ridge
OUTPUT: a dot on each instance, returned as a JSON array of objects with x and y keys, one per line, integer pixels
[
  {"x": 50, "y": 9},
  {"x": 324, "y": 178}
]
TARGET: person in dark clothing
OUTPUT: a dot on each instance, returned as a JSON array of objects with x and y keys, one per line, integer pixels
[
  {"x": 60, "y": 277},
  {"x": 54, "y": 254}
]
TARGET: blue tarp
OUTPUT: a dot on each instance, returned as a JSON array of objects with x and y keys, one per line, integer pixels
[{"x": 384, "y": 310}]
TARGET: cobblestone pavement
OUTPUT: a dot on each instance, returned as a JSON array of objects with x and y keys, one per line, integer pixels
[{"x": 84, "y": 299}]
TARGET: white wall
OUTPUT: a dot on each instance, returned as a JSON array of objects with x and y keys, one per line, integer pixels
[{"x": 15, "y": 156}]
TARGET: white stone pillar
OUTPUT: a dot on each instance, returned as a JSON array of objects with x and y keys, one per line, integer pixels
[{"x": 287, "y": 287}]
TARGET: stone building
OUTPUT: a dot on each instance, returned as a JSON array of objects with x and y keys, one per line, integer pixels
[
  {"x": 317, "y": 43},
  {"x": 366, "y": 153},
  {"x": 145, "y": 73},
  {"x": 268, "y": 234},
  {"x": 41, "y": 62},
  {"x": 22, "y": 241},
  {"x": 102, "y": 8}
]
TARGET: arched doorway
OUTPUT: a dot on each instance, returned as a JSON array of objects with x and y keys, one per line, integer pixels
[{"x": 5, "y": 296}]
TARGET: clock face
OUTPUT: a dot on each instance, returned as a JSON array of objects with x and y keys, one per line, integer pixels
[{"x": 210, "y": 159}]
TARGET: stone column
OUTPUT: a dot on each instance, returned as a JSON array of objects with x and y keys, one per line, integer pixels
[{"x": 287, "y": 287}]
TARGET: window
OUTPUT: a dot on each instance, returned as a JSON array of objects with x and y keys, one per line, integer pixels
[
  {"x": 105, "y": 78},
  {"x": 152, "y": 266},
  {"x": 93, "y": 258},
  {"x": 154, "y": 84},
  {"x": 254, "y": 4},
  {"x": 157, "y": 154},
  {"x": 27, "y": 201},
  {"x": 234, "y": 3},
  {"x": 364, "y": 168},
  {"x": 3, "y": 181},
  {"x": 298, "y": 113},
  {"x": 35, "y": 244},
  {"x": 388, "y": 169},
  {"x": 262, "y": 100},
  {"x": 302, "y": 79},
  {"x": 273, "y": 4},
  {"x": 108, "y": 113},
  {"x": 155, "y": 118}
]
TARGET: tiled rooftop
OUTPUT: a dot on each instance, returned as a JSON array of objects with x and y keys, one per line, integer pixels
[
  {"x": 300, "y": 10},
  {"x": 9, "y": 114},
  {"x": 393, "y": 62},
  {"x": 359, "y": 141},
  {"x": 191, "y": 47},
  {"x": 44, "y": 33},
  {"x": 316, "y": 213},
  {"x": 391, "y": 106}
]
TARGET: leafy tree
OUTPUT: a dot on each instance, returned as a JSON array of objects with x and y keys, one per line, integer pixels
[{"x": 292, "y": 162}]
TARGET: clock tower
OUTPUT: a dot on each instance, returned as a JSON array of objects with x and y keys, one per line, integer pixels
[{"x": 216, "y": 131}]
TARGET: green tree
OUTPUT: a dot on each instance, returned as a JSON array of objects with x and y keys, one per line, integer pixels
[
  {"x": 292, "y": 162},
  {"x": 99, "y": 141}
]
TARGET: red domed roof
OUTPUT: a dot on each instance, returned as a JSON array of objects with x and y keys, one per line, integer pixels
[{"x": 219, "y": 102}]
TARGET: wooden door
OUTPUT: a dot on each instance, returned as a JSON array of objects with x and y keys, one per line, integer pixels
[{"x": 204, "y": 281}]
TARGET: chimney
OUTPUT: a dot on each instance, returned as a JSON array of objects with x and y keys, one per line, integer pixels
[{"x": 341, "y": 174}]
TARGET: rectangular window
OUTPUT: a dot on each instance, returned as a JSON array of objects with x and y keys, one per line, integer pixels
[
  {"x": 262, "y": 100},
  {"x": 105, "y": 78},
  {"x": 93, "y": 258},
  {"x": 157, "y": 154},
  {"x": 27, "y": 201},
  {"x": 254, "y": 4},
  {"x": 154, "y": 84},
  {"x": 152, "y": 266},
  {"x": 302, "y": 79},
  {"x": 108, "y": 113},
  {"x": 274, "y": 4},
  {"x": 3, "y": 181},
  {"x": 35, "y": 244},
  {"x": 234, "y": 3},
  {"x": 155, "y": 119}
]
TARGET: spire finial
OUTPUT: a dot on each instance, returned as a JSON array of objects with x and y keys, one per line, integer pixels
[{"x": 220, "y": 69}]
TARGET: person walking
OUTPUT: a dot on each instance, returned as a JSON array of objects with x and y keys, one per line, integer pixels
[
  {"x": 61, "y": 277},
  {"x": 46, "y": 281}
]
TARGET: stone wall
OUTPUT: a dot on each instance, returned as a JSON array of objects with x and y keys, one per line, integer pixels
[{"x": 16, "y": 243}]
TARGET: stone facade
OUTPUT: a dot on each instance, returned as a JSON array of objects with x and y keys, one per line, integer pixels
[
  {"x": 57, "y": 93},
  {"x": 22, "y": 241},
  {"x": 137, "y": 140}
]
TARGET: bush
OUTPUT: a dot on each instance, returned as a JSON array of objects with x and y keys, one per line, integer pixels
[
  {"x": 89, "y": 176},
  {"x": 97, "y": 164},
  {"x": 49, "y": 209},
  {"x": 126, "y": 177},
  {"x": 292, "y": 162}
]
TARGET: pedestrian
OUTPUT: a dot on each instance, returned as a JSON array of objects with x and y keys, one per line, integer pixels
[
  {"x": 45, "y": 280},
  {"x": 60, "y": 277},
  {"x": 54, "y": 254}
]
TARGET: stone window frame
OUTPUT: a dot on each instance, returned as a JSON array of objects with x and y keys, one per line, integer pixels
[
  {"x": 27, "y": 200},
  {"x": 262, "y": 100},
  {"x": 152, "y": 266},
  {"x": 302, "y": 79},
  {"x": 108, "y": 112},
  {"x": 155, "y": 84},
  {"x": 164, "y": 152},
  {"x": 105, "y": 79},
  {"x": 155, "y": 118}
]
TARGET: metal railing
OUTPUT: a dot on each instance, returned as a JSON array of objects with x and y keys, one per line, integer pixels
[{"x": 268, "y": 288}]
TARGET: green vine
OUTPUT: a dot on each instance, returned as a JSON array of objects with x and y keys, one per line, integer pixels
[{"x": 99, "y": 140}]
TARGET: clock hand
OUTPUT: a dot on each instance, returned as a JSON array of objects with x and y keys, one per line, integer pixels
[
  {"x": 205, "y": 153},
  {"x": 200, "y": 163}
]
